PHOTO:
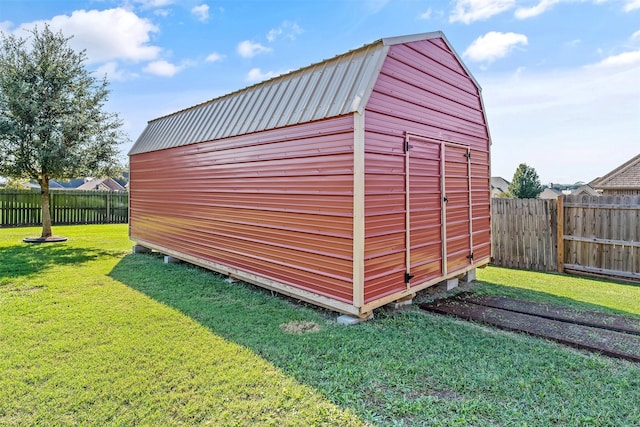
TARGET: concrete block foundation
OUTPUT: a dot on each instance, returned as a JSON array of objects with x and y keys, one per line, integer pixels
[
  {"x": 168, "y": 259},
  {"x": 139, "y": 249},
  {"x": 347, "y": 319}
]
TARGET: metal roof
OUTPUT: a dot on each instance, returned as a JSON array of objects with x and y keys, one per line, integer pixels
[{"x": 330, "y": 88}]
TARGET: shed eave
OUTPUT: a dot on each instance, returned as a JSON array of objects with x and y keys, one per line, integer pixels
[{"x": 389, "y": 41}]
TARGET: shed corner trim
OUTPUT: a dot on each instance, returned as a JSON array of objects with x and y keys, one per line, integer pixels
[{"x": 358, "y": 209}]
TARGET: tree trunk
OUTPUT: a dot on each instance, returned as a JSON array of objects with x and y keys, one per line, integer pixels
[{"x": 46, "y": 214}]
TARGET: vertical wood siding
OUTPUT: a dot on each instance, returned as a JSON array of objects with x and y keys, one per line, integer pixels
[
  {"x": 276, "y": 203},
  {"x": 423, "y": 90}
]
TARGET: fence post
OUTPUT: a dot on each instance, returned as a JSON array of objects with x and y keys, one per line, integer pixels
[{"x": 560, "y": 234}]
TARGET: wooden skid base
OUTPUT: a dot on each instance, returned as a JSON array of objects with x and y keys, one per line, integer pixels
[
  {"x": 599, "y": 339},
  {"x": 628, "y": 325}
]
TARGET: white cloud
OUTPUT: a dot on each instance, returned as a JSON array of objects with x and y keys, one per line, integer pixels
[
  {"x": 162, "y": 68},
  {"x": 493, "y": 45},
  {"x": 624, "y": 59},
  {"x": 273, "y": 34},
  {"x": 162, "y": 12},
  {"x": 540, "y": 8},
  {"x": 107, "y": 35},
  {"x": 214, "y": 57},
  {"x": 573, "y": 125},
  {"x": 620, "y": 60},
  {"x": 150, "y": 4},
  {"x": 5, "y": 26},
  {"x": 290, "y": 30},
  {"x": 111, "y": 70},
  {"x": 249, "y": 49},
  {"x": 631, "y": 5},
  {"x": 255, "y": 75},
  {"x": 468, "y": 11},
  {"x": 201, "y": 12},
  {"x": 426, "y": 14}
]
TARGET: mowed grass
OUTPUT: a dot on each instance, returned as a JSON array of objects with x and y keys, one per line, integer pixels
[
  {"x": 92, "y": 334},
  {"x": 579, "y": 292},
  {"x": 78, "y": 347}
]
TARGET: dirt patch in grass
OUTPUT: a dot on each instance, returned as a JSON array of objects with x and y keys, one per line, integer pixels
[
  {"x": 300, "y": 327},
  {"x": 24, "y": 288}
]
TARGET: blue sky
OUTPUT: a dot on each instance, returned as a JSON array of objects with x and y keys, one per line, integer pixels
[{"x": 560, "y": 78}]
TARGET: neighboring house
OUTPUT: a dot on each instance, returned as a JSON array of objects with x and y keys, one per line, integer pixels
[
  {"x": 53, "y": 185},
  {"x": 585, "y": 190},
  {"x": 550, "y": 193},
  {"x": 105, "y": 184},
  {"x": 499, "y": 186},
  {"x": 623, "y": 180}
]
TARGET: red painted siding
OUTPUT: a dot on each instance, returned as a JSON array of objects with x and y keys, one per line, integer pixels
[
  {"x": 278, "y": 203},
  {"x": 423, "y": 90}
]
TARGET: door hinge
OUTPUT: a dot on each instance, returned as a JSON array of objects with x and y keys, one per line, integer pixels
[
  {"x": 470, "y": 256},
  {"x": 468, "y": 154},
  {"x": 407, "y": 147},
  {"x": 408, "y": 277},
  {"x": 445, "y": 199}
]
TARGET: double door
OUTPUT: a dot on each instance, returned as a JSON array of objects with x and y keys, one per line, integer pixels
[{"x": 439, "y": 226}]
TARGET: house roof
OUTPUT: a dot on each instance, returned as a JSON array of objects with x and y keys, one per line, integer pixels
[
  {"x": 101, "y": 184},
  {"x": 585, "y": 189},
  {"x": 549, "y": 193},
  {"x": 625, "y": 176},
  {"x": 331, "y": 88},
  {"x": 500, "y": 183}
]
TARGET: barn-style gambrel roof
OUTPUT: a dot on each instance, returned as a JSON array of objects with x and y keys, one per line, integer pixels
[
  {"x": 624, "y": 177},
  {"x": 330, "y": 88}
]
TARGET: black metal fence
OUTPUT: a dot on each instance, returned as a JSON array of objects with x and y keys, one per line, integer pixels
[{"x": 20, "y": 208}]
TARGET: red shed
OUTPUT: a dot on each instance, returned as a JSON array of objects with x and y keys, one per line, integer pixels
[{"x": 350, "y": 183}]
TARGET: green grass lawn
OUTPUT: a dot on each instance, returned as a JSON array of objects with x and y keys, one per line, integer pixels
[
  {"x": 579, "y": 292},
  {"x": 92, "y": 334}
]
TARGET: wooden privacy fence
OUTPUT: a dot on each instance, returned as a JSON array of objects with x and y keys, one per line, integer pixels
[
  {"x": 524, "y": 233},
  {"x": 591, "y": 235},
  {"x": 602, "y": 235},
  {"x": 23, "y": 207}
]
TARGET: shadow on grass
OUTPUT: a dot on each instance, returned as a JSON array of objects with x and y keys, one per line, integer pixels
[
  {"x": 402, "y": 368},
  {"x": 26, "y": 259}
]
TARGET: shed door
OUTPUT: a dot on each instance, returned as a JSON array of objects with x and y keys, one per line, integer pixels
[
  {"x": 438, "y": 208},
  {"x": 457, "y": 206}
]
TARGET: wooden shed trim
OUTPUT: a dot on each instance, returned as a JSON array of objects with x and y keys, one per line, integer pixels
[{"x": 358, "y": 209}]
